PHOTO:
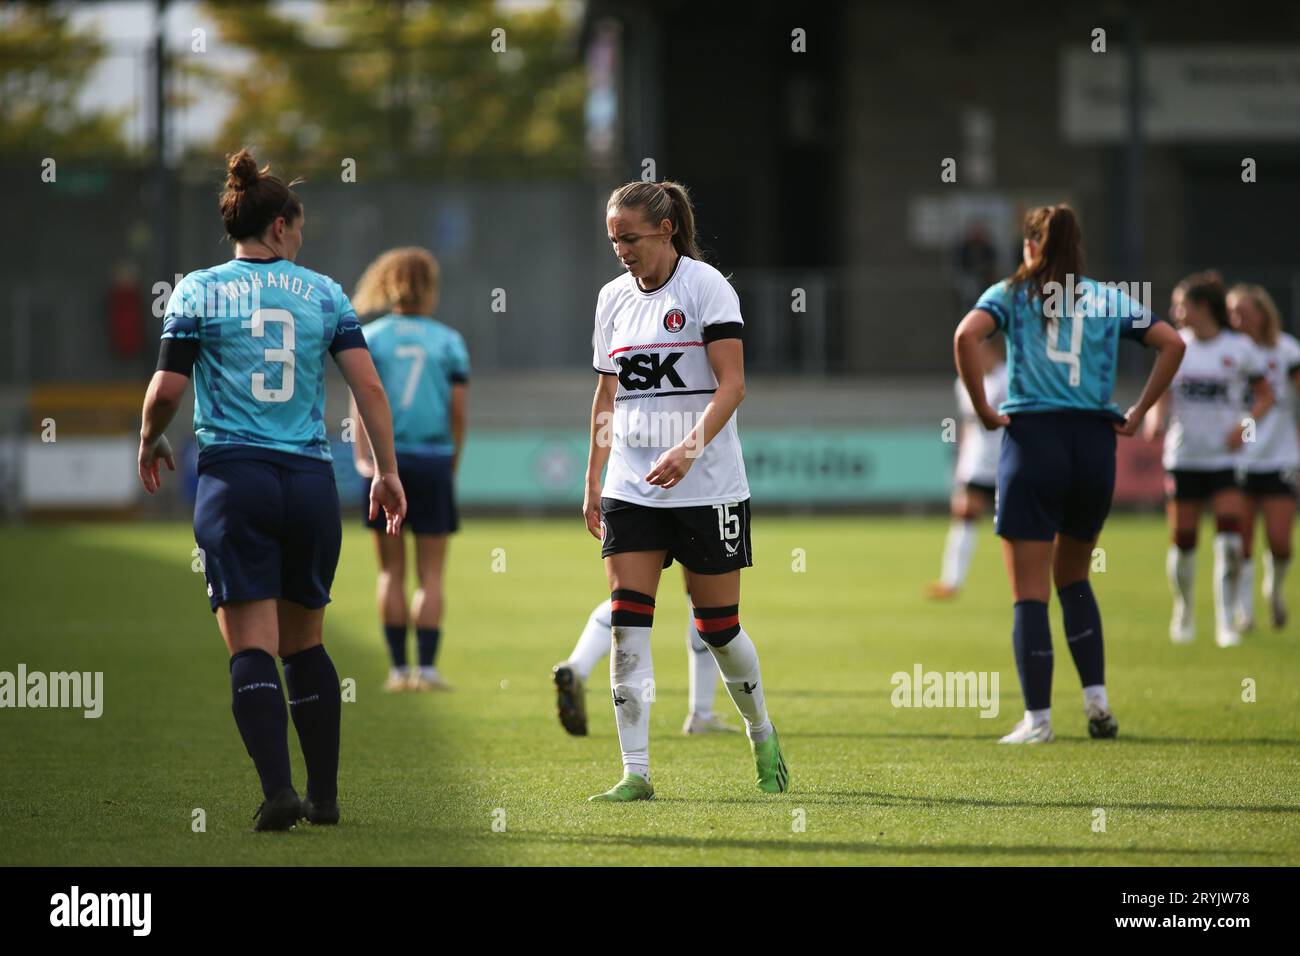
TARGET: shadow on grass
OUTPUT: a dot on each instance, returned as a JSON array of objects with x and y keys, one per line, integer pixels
[
  {"x": 991, "y": 737},
  {"x": 798, "y": 844},
  {"x": 880, "y": 798}
]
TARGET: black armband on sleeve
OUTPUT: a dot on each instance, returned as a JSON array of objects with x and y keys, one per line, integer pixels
[
  {"x": 178, "y": 355},
  {"x": 723, "y": 330},
  {"x": 348, "y": 339},
  {"x": 458, "y": 378}
]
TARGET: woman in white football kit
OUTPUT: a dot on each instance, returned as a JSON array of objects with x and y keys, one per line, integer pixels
[
  {"x": 975, "y": 478},
  {"x": 1206, "y": 407},
  {"x": 1270, "y": 462},
  {"x": 671, "y": 375}
]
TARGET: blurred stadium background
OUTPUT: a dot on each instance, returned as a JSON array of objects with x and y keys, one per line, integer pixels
[{"x": 812, "y": 137}]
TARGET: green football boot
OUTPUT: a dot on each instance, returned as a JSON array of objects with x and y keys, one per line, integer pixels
[
  {"x": 631, "y": 787},
  {"x": 773, "y": 777}
]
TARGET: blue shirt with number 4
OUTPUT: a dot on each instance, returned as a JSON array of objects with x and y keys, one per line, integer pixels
[{"x": 1067, "y": 363}]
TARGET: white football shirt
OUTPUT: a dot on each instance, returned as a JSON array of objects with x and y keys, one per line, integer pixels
[
  {"x": 1209, "y": 395},
  {"x": 978, "y": 451},
  {"x": 1275, "y": 447},
  {"x": 655, "y": 343}
]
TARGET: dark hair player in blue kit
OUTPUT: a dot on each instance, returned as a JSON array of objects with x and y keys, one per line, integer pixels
[
  {"x": 1056, "y": 473},
  {"x": 254, "y": 333}
]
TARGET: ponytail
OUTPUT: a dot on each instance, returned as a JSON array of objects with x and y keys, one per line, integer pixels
[
  {"x": 253, "y": 198},
  {"x": 1055, "y": 231},
  {"x": 660, "y": 201}
]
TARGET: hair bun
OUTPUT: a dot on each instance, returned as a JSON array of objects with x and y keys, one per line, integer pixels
[{"x": 241, "y": 171}]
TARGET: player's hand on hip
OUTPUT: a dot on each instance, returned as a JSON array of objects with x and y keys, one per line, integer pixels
[
  {"x": 1131, "y": 423},
  {"x": 670, "y": 467},
  {"x": 386, "y": 493},
  {"x": 991, "y": 420},
  {"x": 151, "y": 454},
  {"x": 591, "y": 512}
]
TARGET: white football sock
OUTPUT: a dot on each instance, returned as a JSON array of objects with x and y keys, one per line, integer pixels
[
  {"x": 631, "y": 678},
  {"x": 593, "y": 642},
  {"x": 1227, "y": 574},
  {"x": 1246, "y": 589},
  {"x": 1095, "y": 696},
  {"x": 957, "y": 552},
  {"x": 702, "y": 670},
  {"x": 1274, "y": 574},
  {"x": 1180, "y": 566},
  {"x": 1037, "y": 717},
  {"x": 738, "y": 663}
]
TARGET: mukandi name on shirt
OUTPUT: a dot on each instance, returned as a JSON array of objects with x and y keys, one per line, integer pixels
[{"x": 243, "y": 296}]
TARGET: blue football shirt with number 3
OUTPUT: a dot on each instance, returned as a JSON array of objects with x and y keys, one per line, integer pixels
[{"x": 264, "y": 328}]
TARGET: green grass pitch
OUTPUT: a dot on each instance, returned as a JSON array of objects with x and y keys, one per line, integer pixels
[{"x": 1198, "y": 776}]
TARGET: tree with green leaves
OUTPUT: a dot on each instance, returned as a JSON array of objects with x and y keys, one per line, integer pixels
[
  {"x": 456, "y": 87},
  {"x": 45, "y": 64}
]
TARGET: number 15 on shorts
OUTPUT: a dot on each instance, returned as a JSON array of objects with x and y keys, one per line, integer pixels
[{"x": 728, "y": 523}]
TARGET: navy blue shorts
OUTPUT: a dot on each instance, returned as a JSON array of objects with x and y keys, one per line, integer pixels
[
  {"x": 268, "y": 525},
  {"x": 1056, "y": 474},
  {"x": 430, "y": 495}
]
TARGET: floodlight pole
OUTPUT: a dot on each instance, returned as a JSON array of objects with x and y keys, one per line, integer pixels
[
  {"x": 163, "y": 252},
  {"x": 1133, "y": 244}
]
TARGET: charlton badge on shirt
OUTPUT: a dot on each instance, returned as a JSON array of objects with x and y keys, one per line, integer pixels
[{"x": 675, "y": 320}]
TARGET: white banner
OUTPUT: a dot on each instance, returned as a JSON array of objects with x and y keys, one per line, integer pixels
[
  {"x": 1191, "y": 94},
  {"x": 80, "y": 472}
]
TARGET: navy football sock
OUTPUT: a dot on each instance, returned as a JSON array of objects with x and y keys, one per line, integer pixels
[
  {"x": 313, "y": 686},
  {"x": 258, "y": 704},
  {"x": 395, "y": 635},
  {"x": 1031, "y": 636},
  {"x": 427, "y": 643},
  {"x": 1083, "y": 632}
]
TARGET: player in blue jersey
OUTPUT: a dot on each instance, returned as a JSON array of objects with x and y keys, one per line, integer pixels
[
  {"x": 1056, "y": 473},
  {"x": 254, "y": 333},
  {"x": 424, "y": 366}
]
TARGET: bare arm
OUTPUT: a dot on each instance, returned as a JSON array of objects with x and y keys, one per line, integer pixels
[
  {"x": 1262, "y": 399},
  {"x": 459, "y": 406},
  {"x": 362, "y": 456},
  {"x": 1169, "y": 346},
  {"x": 372, "y": 404},
  {"x": 972, "y": 330},
  {"x": 1157, "y": 418},
  {"x": 602, "y": 425},
  {"x": 161, "y": 401}
]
